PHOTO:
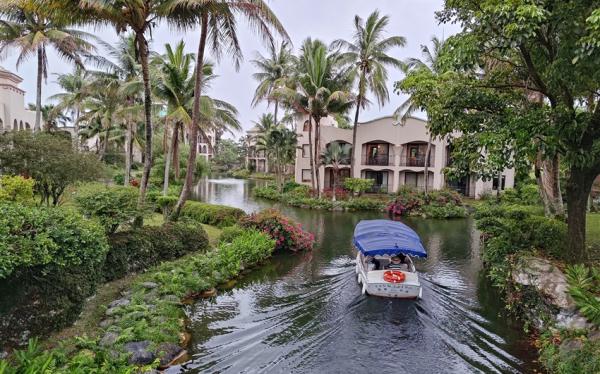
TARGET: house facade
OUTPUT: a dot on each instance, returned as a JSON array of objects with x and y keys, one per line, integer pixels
[
  {"x": 256, "y": 160},
  {"x": 392, "y": 154},
  {"x": 207, "y": 144},
  {"x": 13, "y": 115}
]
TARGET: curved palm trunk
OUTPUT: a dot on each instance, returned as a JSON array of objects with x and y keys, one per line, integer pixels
[
  {"x": 76, "y": 130},
  {"x": 427, "y": 154},
  {"x": 190, "y": 168},
  {"x": 38, "y": 98},
  {"x": 143, "y": 48},
  {"x": 175, "y": 150},
  {"x": 275, "y": 114},
  {"x": 128, "y": 136},
  {"x": 105, "y": 142},
  {"x": 311, "y": 152},
  {"x": 359, "y": 100}
]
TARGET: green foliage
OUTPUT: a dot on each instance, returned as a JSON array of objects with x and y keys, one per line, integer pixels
[
  {"x": 228, "y": 155},
  {"x": 363, "y": 203},
  {"x": 50, "y": 261},
  {"x": 267, "y": 192},
  {"x": 247, "y": 248},
  {"x": 241, "y": 173},
  {"x": 166, "y": 203},
  {"x": 137, "y": 250},
  {"x": 112, "y": 206},
  {"x": 575, "y": 361},
  {"x": 444, "y": 212},
  {"x": 526, "y": 194},
  {"x": 16, "y": 188},
  {"x": 439, "y": 204},
  {"x": 290, "y": 186},
  {"x": 230, "y": 233},
  {"x": 358, "y": 185},
  {"x": 211, "y": 214},
  {"x": 49, "y": 159},
  {"x": 584, "y": 287}
]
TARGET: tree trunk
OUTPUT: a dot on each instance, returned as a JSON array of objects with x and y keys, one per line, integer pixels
[
  {"x": 335, "y": 183},
  {"x": 167, "y": 163},
  {"x": 427, "y": 154},
  {"x": 76, "y": 130},
  {"x": 191, "y": 165},
  {"x": 105, "y": 142},
  {"x": 311, "y": 152},
  {"x": 499, "y": 189},
  {"x": 354, "y": 131},
  {"x": 128, "y": 136},
  {"x": 317, "y": 155},
  {"x": 38, "y": 98},
  {"x": 143, "y": 49},
  {"x": 548, "y": 181},
  {"x": 175, "y": 150},
  {"x": 579, "y": 186},
  {"x": 275, "y": 114}
]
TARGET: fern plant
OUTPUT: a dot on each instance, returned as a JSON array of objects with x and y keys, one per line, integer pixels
[{"x": 584, "y": 284}]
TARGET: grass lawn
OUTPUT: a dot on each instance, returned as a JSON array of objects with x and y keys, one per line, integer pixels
[
  {"x": 593, "y": 234},
  {"x": 156, "y": 219}
]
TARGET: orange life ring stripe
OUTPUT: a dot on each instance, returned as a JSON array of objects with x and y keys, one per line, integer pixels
[{"x": 394, "y": 276}]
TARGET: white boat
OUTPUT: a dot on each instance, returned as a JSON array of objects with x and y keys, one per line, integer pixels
[{"x": 377, "y": 242}]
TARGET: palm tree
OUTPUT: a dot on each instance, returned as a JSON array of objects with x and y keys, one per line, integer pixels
[
  {"x": 53, "y": 117},
  {"x": 321, "y": 88},
  {"x": 408, "y": 107},
  {"x": 30, "y": 27},
  {"x": 217, "y": 19},
  {"x": 367, "y": 53},
  {"x": 278, "y": 143},
  {"x": 140, "y": 17},
  {"x": 72, "y": 97},
  {"x": 336, "y": 154},
  {"x": 271, "y": 70}
]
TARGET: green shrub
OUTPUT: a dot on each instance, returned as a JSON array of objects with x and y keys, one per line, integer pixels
[
  {"x": 526, "y": 194},
  {"x": 211, "y": 214},
  {"x": 136, "y": 250},
  {"x": 113, "y": 206},
  {"x": 299, "y": 191},
  {"x": 443, "y": 212},
  {"x": 119, "y": 179},
  {"x": 166, "y": 203},
  {"x": 267, "y": 192},
  {"x": 241, "y": 173},
  {"x": 16, "y": 188},
  {"x": 290, "y": 186},
  {"x": 358, "y": 185},
  {"x": 50, "y": 261},
  {"x": 230, "y": 233},
  {"x": 247, "y": 248},
  {"x": 362, "y": 203}
]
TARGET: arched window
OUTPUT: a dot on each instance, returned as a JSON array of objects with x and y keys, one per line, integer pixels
[
  {"x": 306, "y": 126},
  {"x": 15, "y": 125},
  {"x": 1, "y": 124},
  {"x": 21, "y": 125},
  {"x": 204, "y": 149},
  {"x": 27, "y": 126}
]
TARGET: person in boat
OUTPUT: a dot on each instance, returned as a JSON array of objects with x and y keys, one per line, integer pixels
[
  {"x": 399, "y": 262},
  {"x": 375, "y": 264}
]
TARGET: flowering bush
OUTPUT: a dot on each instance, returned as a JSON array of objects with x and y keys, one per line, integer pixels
[
  {"x": 340, "y": 193},
  {"x": 406, "y": 202},
  {"x": 134, "y": 182},
  {"x": 287, "y": 234},
  {"x": 436, "y": 204}
]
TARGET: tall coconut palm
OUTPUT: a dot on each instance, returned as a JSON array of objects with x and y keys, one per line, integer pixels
[
  {"x": 321, "y": 88},
  {"x": 367, "y": 53},
  {"x": 271, "y": 70},
  {"x": 73, "y": 95},
  {"x": 336, "y": 155},
  {"x": 53, "y": 117},
  {"x": 31, "y": 27},
  {"x": 121, "y": 62},
  {"x": 217, "y": 19},
  {"x": 408, "y": 107},
  {"x": 139, "y": 17}
]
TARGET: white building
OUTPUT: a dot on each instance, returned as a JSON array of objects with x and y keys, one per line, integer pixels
[
  {"x": 13, "y": 115},
  {"x": 390, "y": 153},
  {"x": 206, "y": 145}
]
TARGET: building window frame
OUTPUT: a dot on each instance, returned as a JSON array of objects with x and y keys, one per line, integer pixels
[
  {"x": 303, "y": 176},
  {"x": 305, "y": 150}
]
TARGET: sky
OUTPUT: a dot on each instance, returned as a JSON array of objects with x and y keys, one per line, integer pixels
[{"x": 322, "y": 19}]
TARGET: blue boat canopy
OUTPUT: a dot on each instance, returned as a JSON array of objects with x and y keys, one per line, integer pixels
[{"x": 384, "y": 237}]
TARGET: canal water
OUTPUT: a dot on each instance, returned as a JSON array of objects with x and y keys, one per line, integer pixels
[{"x": 305, "y": 313}]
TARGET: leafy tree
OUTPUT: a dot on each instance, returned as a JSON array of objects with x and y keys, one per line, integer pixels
[
  {"x": 272, "y": 70},
  {"x": 544, "y": 47},
  {"x": 52, "y": 116},
  {"x": 336, "y": 155},
  {"x": 228, "y": 156},
  {"x": 358, "y": 185},
  {"x": 31, "y": 26},
  {"x": 49, "y": 159},
  {"x": 279, "y": 144},
  {"x": 216, "y": 19},
  {"x": 368, "y": 56}
]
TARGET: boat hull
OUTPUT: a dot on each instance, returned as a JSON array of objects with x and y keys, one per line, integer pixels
[{"x": 373, "y": 283}]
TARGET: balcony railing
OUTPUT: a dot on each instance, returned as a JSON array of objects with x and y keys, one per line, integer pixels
[
  {"x": 418, "y": 161},
  {"x": 379, "y": 160}
]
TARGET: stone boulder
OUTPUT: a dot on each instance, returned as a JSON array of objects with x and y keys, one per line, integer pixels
[{"x": 140, "y": 353}]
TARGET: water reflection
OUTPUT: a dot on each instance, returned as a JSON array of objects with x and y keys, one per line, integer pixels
[{"x": 305, "y": 313}]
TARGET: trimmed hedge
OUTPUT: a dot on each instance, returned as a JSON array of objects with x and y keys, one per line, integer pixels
[
  {"x": 211, "y": 214},
  {"x": 50, "y": 262},
  {"x": 137, "y": 250}
]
